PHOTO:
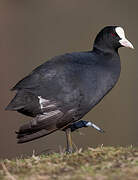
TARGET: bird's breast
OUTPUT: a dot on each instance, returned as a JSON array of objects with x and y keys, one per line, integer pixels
[{"x": 98, "y": 85}]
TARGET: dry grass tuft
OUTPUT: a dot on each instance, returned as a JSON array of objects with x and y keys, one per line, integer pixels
[{"x": 102, "y": 163}]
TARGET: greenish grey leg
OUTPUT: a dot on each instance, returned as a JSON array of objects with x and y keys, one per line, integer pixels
[{"x": 69, "y": 141}]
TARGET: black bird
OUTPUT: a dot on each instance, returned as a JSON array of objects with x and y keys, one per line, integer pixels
[{"x": 62, "y": 90}]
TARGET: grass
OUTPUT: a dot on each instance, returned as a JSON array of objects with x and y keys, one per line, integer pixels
[{"x": 102, "y": 163}]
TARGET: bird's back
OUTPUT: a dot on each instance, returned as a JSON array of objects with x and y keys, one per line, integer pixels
[{"x": 76, "y": 80}]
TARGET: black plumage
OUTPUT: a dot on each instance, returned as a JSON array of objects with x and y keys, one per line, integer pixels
[{"x": 62, "y": 90}]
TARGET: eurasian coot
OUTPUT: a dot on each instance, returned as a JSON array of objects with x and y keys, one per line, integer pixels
[{"x": 62, "y": 90}]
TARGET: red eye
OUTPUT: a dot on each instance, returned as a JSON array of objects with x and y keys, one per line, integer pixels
[{"x": 113, "y": 34}]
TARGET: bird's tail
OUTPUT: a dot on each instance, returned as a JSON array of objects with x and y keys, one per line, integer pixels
[{"x": 28, "y": 133}]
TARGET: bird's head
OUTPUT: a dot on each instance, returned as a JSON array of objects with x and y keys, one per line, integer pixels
[{"x": 112, "y": 38}]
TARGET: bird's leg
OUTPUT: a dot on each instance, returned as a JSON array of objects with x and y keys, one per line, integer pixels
[{"x": 69, "y": 141}]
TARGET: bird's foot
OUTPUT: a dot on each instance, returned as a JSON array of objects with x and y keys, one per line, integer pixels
[
  {"x": 82, "y": 123},
  {"x": 69, "y": 151}
]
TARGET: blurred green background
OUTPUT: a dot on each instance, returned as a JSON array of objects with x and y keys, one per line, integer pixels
[{"x": 33, "y": 31}]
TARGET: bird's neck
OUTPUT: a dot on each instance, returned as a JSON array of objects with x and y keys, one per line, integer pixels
[{"x": 105, "y": 50}]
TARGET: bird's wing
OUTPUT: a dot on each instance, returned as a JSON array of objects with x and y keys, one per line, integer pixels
[{"x": 55, "y": 80}]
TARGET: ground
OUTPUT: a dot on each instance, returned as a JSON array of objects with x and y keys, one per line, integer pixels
[{"x": 102, "y": 163}]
